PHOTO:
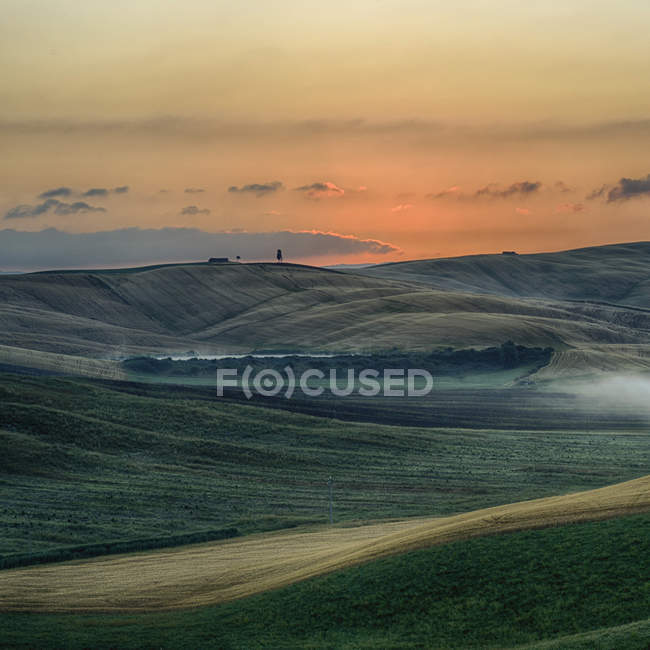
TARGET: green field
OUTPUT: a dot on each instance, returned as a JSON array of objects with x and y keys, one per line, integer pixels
[
  {"x": 101, "y": 456},
  {"x": 88, "y": 462},
  {"x": 577, "y": 586}
]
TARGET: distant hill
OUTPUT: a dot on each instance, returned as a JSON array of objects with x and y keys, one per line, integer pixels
[
  {"x": 619, "y": 273},
  {"x": 203, "y": 309}
]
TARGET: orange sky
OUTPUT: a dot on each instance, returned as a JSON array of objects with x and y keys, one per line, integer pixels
[{"x": 375, "y": 109}]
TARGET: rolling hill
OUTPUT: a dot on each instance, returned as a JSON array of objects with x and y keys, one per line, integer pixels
[
  {"x": 103, "y": 466},
  {"x": 618, "y": 274},
  {"x": 91, "y": 462},
  {"x": 573, "y": 586},
  {"x": 413, "y": 305},
  {"x": 217, "y": 572}
]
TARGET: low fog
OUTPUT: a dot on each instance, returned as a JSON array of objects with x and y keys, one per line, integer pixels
[{"x": 620, "y": 391}]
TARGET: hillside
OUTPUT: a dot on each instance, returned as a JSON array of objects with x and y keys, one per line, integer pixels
[
  {"x": 577, "y": 586},
  {"x": 231, "y": 307},
  {"x": 619, "y": 274},
  {"x": 86, "y": 462},
  {"x": 151, "y": 308},
  {"x": 217, "y": 572}
]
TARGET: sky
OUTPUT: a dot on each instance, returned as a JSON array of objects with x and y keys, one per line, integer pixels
[{"x": 366, "y": 131}]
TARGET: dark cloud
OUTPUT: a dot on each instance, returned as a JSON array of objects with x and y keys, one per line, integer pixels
[
  {"x": 259, "y": 189},
  {"x": 629, "y": 188},
  {"x": 319, "y": 187},
  {"x": 194, "y": 190},
  {"x": 493, "y": 190},
  {"x": 522, "y": 188},
  {"x": 51, "y": 205},
  {"x": 193, "y": 209},
  {"x": 320, "y": 190},
  {"x": 96, "y": 191},
  {"x": 26, "y": 211},
  {"x": 59, "y": 191},
  {"x": 52, "y": 248},
  {"x": 77, "y": 206}
]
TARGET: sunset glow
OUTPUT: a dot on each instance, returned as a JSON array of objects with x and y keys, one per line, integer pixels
[{"x": 439, "y": 129}]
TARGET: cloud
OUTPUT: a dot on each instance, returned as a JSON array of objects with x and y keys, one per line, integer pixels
[
  {"x": 52, "y": 248},
  {"x": 77, "y": 206},
  {"x": 402, "y": 207},
  {"x": 193, "y": 209},
  {"x": 102, "y": 191},
  {"x": 569, "y": 207},
  {"x": 493, "y": 190},
  {"x": 259, "y": 189},
  {"x": 96, "y": 191},
  {"x": 449, "y": 192},
  {"x": 626, "y": 188},
  {"x": 629, "y": 188},
  {"x": 193, "y": 190},
  {"x": 27, "y": 211},
  {"x": 51, "y": 205},
  {"x": 522, "y": 188},
  {"x": 59, "y": 191},
  {"x": 320, "y": 190}
]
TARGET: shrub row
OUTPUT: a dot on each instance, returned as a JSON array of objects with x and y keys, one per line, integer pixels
[{"x": 112, "y": 548}]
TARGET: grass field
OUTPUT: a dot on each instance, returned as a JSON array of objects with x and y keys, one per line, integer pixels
[
  {"x": 216, "y": 572},
  {"x": 423, "y": 551},
  {"x": 88, "y": 462},
  {"x": 575, "y": 586}
]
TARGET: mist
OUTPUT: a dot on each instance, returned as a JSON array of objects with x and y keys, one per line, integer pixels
[{"x": 620, "y": 391}]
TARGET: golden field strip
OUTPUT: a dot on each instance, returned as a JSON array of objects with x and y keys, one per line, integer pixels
[
  {"x": 211, "y": 573},
  {"x": 61, "y": 363}
]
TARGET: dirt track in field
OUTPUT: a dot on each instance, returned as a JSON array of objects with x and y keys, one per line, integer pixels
[{"x": 211, "y": 573}]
